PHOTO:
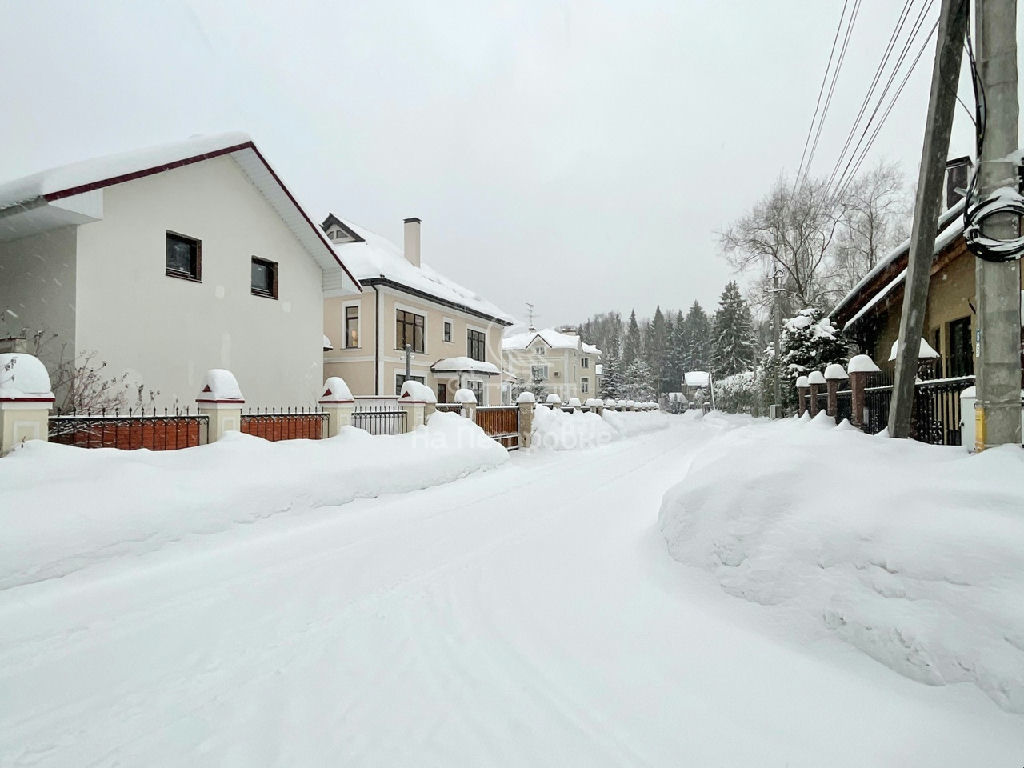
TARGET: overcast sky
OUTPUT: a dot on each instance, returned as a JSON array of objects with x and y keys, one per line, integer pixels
[{"x": 579, "y": 155}]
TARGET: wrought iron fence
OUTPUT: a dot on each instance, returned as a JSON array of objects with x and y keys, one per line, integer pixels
[
  {"x": 133, "y": 430},
  {"x": 285, "y": 424},
  {"x": 844, "y": 405},
  {"x": 449, "y": 407},
  {"x": 936, "y": 414},
  {"x": 380, "y": 419}
]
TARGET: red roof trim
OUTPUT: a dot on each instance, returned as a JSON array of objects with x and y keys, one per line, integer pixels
[{"x": 142, "y": 173}]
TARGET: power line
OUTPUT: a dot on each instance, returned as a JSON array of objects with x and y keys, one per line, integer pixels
[
  {"x": 821, "y": 90},
  {"x": 889, "y": 48},
  {"x": 859, "y": 150}
]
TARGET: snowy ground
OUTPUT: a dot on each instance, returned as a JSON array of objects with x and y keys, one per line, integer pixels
[{"x": 526, "y": 615}]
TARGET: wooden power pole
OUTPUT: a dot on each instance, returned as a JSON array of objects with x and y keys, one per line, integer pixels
[
  {"x": 997, "y": 345},
  {"x": 941, "y": 101}
]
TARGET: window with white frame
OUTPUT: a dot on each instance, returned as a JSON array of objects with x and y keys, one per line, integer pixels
[
  {"x": 584, "y": 385},
  {"x": 586, "y": 362},
  {"x": 352, "y": 326},
  {"x": 447, "y": 332},
  {"x": 477, "y": 388},
  {"x": 539, "y": 371}
]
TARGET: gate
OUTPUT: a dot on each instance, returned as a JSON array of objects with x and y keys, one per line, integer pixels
[
  {"x": 500, "y": 422},
  {"x": 379, "y": 419}
]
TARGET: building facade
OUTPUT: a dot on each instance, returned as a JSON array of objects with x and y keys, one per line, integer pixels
[
  {"x": 558, "y": 361},
  {"x": 452, "y": 334}
]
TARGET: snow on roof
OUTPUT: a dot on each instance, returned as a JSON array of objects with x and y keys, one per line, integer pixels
[
  {"x": 327, "y": 343},
  {"x": 946, "y": 235},
  {"x": 376, "y": 257},
  {"x": 925, "y": 353},
  {"x": 464, "y": 365},
  {"x": 99, "y": 172},
  {"x": 697, "y": 378},
  {"x": 551, "y": 337}
]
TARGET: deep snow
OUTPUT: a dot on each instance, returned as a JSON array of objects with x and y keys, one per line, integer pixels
[
  {"x": 912, "y": 553},
  {"x": 528, "y": 615}
]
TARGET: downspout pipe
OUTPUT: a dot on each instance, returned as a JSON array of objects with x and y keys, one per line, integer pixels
[{"x": 376, "y": 341}]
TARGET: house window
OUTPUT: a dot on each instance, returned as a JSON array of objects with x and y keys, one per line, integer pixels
[
  {"x": 539, "y": 371},
  {"x": 539, "y": 350},
  {"x": 476, "y": 343},
  {"x": 448, "y": 331},
  {"x": 264, "y": 278},
  {"x": 477, "y": 388},
  {"x": 184, "y": 257},
  {"x": 586, "y": 362},
  {"x": 961, "y": 351},
  {"x": 584, "y": 385},
  {"x": 400, "y": 379},
  {"x": 352, "y": 326},
  {"x": 409, "y": 330}
]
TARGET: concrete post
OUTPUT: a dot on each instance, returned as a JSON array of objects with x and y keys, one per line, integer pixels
[
  {"x": 414, "y": 413},
  {"x": 221, "y": 401},
  {"x": 339, "y": 416},
  {"x": 21, "y": 419},
  {"x": 467, "y": 399},
  {"x": 526, "y": 407},
  {"x": 25, "y": 400},
  {"x": 802, "y": 385}
]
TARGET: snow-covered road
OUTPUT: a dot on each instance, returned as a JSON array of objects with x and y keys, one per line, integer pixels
[{"x": 529, "y": 615}]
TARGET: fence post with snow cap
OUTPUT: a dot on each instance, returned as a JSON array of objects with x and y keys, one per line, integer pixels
[
  {"x": 802, "y": 385},
  {"x": 815, "y": 381},
  {"x": 467, "y": 400},
  {"x": 338, "y": 404},
  {"x": 860, "y": 367},
  {"x": 834, "y": 373},
  {"x": 527, "y": 403},
  {"x": 221, "y": 401},
  {"x": 553, "y": 401},
  {"x": 25, "y": 400},
  {"x": 413, "y": 402},
  {"x": 595, "y": 405},
  {"x": 575, "y": 404}
]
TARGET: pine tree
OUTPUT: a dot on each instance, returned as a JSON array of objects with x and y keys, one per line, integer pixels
[
  {"x": 809, "y": 342},
  {"x": 655, "y": 348},
  {"x": 733, "y": 343},
  {"x": 676, "y": 356},
  {"x": 631, "y": 342},
  {"x": 698, "y": 339},
  {"x": 638, "y": 382}
]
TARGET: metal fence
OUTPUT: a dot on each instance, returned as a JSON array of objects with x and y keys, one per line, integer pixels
[
  {"x": 500, "y": 422},
  {"x": 379, "y": 419},
  {"x": 155, "y": 431},
  {"x": 290, "y": 424},
  {"x": 844, "y": 405},
  {"x": 936, "y": 415},
  {"x": 449, "y": 407}
]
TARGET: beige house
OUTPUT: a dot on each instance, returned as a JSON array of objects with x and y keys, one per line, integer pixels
[
  {"x": 167, "y": 262},
  {"x": 558, "y": 360},
  {"x": 452, "y": 334}
]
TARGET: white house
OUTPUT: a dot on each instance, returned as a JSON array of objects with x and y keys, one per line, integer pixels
[
  {"x": 453, "y": 333},
  {"x": 167, "y": 262}
]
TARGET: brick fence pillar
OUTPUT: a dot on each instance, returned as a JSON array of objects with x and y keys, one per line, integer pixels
[
  {"x": 834, "y": 374},
  {"x": 802, "y": 386},
  {"x": 860, "y": 367},
  {"x": 816, "y": 382}
]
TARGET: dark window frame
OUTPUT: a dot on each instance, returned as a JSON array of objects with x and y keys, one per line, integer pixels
[
  {"x": 195, "y": 274},
  {"x": 400, "y": 379},
  {"x": 476, "y": 344},
  {"x": 408, "y": 323},
  {"x": 960, "y": 362},
  {"x": 347, "y": 319},
  {"x": 447, "y": 328},
  {"x": 272, "y": 268}
]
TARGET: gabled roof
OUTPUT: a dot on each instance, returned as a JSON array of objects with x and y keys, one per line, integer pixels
[
  {"x": 23, "y": 198},
  {"x": 375, "y": 260},
  {"x": 554, "y": 339},
  {"x": 891, "y": 270}
]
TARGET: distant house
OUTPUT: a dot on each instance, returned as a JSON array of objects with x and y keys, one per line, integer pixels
[
  {"x": 170, "y": 261},
  {"x": 453, "y": 334},
  {"x": 559, "y": 360}
]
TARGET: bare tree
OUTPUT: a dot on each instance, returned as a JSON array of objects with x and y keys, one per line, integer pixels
[
  {"x": 876, "y": 221},
  {"x": 789, "y": 232}
]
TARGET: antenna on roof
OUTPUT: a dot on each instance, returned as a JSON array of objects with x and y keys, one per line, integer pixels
[{"x": 530, "y": 308}]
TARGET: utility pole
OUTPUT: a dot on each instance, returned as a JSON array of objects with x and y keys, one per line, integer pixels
[
  {"x": 777, "y": 311},
  {"x": 997, "y": 335},
  {"x": 942, "y": 99}
]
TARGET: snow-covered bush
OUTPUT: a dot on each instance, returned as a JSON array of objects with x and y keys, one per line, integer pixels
[{"x": 737, "y": 393}]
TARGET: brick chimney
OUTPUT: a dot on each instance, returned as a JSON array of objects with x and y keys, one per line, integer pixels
[
  {"x": 412, "y": 241},
  {"x": 958, "y": 176}
]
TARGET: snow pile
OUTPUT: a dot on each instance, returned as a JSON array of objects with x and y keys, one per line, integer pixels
[
  {"x": 630, "y": 423},
  {"x": 925, "y": 353},
  {"x": 23, "y": 375},
  {"x": 220, "y": 384},
  {"x": 416, "y": 392},
  {"x": 464, "y": 396},
  {"x": 862, "y": 364},
  {"x": 557, "y": 430},
  {"x": 336, "y": 391},
  {"x": 65, "y": 508},
  {"x": 912, "y": 553}
]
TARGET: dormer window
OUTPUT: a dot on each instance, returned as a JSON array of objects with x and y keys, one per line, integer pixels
[{"x": 539, "y": 350}]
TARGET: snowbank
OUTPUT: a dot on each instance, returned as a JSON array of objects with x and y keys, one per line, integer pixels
[
  {"x": 557, "y": 430},
  {"x": 64, "y": 508},
  {"x": 23, "y": 375},
  {"x": 912, "y": 553}
]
